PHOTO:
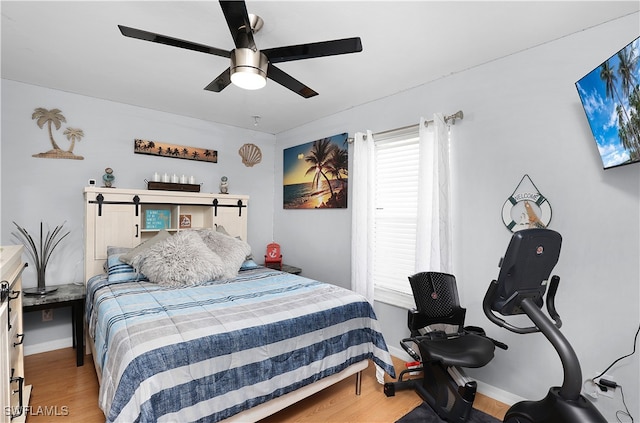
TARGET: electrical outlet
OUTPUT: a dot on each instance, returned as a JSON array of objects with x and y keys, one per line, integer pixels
[
  {"x": 610, "y": 391},
  {"x": 47, "y": 315}
]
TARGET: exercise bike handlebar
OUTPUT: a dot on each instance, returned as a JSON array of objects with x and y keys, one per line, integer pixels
[
  {"x": 486, "y": 307},
  {"x": 490, "y": 297},
  {"x": 572, "y": 372},
  {"x": 551, "y": 304}
]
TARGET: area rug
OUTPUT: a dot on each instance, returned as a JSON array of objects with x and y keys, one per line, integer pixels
[{"x": 424, "y": 414}]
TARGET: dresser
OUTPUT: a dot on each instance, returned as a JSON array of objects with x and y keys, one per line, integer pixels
[{"x": 14, "y": 393}]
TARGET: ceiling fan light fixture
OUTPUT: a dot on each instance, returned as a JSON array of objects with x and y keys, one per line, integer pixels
[{"x": 248, "y": 69}]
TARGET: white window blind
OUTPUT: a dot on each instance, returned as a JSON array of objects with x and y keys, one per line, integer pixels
[{"x": 396, "y": 191}]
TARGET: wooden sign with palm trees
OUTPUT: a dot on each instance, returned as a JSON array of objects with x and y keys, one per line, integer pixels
[
  {"x": 164, "y": 149},
  {"x": 54, "y": 118},
  {"x": 316, "y": 174}
]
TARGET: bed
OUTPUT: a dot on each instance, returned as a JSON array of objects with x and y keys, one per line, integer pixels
[{"x": 235, "y": 348}]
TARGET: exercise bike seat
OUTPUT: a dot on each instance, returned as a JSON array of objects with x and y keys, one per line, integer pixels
[{"x": 468, "y": 350}]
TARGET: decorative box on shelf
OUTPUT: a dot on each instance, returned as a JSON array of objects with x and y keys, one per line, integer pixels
[{"x": 170, "y": 186}]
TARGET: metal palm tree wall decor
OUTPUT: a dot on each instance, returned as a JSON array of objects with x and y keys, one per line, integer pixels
[
  {"x": 40, "y": 253},
  {"x": 51, "y": 118}
]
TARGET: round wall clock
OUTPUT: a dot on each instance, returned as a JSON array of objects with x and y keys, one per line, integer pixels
[{"x": 526, "y": 207}]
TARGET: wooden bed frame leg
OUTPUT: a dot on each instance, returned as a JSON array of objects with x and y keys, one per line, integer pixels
[{"x": 358, "y": 382}]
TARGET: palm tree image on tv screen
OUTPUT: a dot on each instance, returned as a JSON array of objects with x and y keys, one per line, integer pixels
[{"x": 610, "y": 95}]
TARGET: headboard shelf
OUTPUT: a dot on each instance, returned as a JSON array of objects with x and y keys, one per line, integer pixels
[{"x": 127, "y": 217}]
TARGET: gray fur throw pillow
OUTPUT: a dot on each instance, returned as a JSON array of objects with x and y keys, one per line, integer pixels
[
  {"x": 182, "y": 259},
  {"x": 232, "y": 251},
  {"x": 159, "y": 237}
]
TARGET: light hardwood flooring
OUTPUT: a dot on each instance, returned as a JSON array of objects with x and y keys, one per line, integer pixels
[{"x": 64, "y": 392}]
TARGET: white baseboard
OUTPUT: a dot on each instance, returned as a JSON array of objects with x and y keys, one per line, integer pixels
[
  {"x": 48, "y": 346},
  {"x": 498, "y": 394},
  {"x": 399, "y": 353},
  {"x": 483, "y": 388}
]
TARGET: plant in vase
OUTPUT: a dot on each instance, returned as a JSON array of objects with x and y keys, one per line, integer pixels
[{"x": 40, "y": 253}]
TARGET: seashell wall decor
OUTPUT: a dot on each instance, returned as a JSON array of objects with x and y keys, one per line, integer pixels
[{"x": 250, "y": 154}]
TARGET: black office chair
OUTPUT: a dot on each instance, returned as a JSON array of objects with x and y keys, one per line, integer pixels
[{"x": 445, "y": 345}]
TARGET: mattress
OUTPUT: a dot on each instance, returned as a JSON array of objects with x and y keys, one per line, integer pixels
[{"x": 210, "y": 351}]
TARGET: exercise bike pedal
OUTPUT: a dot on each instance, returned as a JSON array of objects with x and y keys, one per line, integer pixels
[{"x": 389, "y": 389}]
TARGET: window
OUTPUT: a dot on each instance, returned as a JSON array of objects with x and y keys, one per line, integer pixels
[
  {"x": 400, "y": 221},
  {"x": 396, "y": 157}
]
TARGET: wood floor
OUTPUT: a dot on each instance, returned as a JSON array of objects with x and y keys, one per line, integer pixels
[{"x": 64, "y": 392}]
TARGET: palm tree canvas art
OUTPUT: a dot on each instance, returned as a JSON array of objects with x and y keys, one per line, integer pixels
[
  {"x": 610, "y": 95},
  {"x": 54, "y": 118},
  {"x": 316, "y": 174}
]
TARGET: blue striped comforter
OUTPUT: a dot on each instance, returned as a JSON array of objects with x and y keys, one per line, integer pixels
[{"x": 207, "y": 352}]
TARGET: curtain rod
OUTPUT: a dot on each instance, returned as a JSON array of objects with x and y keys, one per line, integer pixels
[{"x": 451, "y": 118}]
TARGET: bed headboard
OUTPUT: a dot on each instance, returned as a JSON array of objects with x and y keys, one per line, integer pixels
[{"x": 127, "y": 217}]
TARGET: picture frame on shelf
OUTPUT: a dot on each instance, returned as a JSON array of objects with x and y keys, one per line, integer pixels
[
  {"x": 157, "y": 219},
  {"x": 185, "y": 221}
]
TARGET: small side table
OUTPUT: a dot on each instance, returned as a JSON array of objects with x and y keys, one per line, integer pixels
[
  {"x": 291, "y": 269},
  {"x": 69, "y": 295}
]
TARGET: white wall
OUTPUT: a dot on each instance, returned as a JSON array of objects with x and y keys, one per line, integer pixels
[
  {"x": 522, "y": 116},
  {"x": 35, "y": 189}
]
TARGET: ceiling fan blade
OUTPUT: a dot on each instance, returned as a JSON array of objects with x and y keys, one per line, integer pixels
[
  {"x": 221, "y": 82},
  {"x": 235, "y": 12},
  {"x": 170, "y": 41},
  {"x": 311, "y": 50},
  {"x": 289, "y": 82}
]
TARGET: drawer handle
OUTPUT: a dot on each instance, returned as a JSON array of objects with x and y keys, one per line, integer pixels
[
  {"x": 18, "y": 391},
  {"x": 20, "y": 336}
]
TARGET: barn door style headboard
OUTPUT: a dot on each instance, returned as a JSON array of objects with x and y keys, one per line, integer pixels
[{"x": 126, "y": 217}]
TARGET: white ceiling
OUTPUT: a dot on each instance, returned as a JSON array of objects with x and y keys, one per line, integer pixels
[{"x": 75, "y": 46}]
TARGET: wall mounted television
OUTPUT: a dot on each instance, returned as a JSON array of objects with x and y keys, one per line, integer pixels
[{"x": 610, "y": 96}]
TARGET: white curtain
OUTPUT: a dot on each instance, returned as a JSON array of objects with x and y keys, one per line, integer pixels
[
  {"x": 433, "y": 240},
  {"x": 433, "y": 245},
  {"x": 362, "y": 215}
]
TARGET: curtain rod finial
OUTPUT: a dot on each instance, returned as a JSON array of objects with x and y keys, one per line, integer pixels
[{"x": 456, "y": 115}]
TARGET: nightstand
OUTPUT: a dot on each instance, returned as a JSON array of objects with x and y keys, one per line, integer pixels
[
  {"x": 70, "y": 295},
  {"x": 291, "y": 269}
]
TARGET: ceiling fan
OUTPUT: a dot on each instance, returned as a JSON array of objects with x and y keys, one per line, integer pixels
[{"x": 249, "y": 66}]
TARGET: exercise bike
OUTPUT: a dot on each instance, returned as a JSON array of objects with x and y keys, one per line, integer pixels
[
  {"x": 520, "y": 288},
  {"x": 445, "y": 347}
]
